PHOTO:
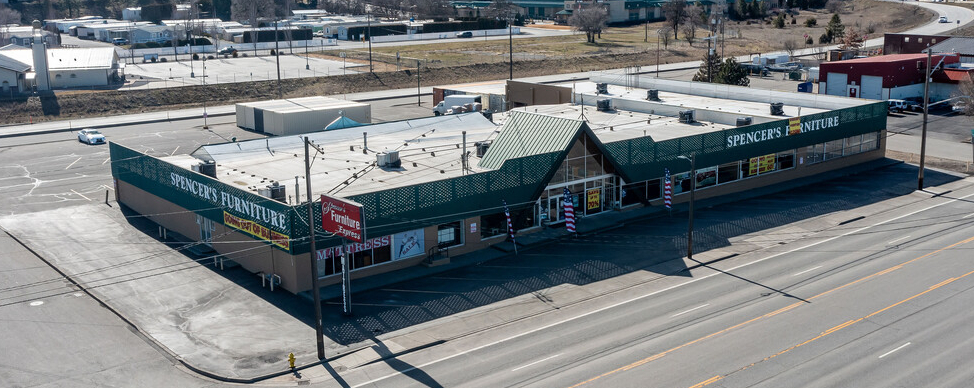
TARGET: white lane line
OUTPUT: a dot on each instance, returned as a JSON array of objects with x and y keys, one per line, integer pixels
[
  {"x": 695, "y": 308},
  {"x": 891, "y": 351},
  {"x": 536, "y": 362},
  {"x": 174, "y": 151},
  {"x": 72, "y": 163},
  {"x": 807, "y": 270},
  {"x": 82, "y": 195},
  {"x": 899, "y": 239},
  {"x": 644, "y": 296},
  {"x": 969, "y": 215},
  {"x": 106, "y": 160},
  {"x": 417, "y": 291}
]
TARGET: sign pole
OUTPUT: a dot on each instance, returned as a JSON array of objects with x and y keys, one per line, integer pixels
[{"x": 346, "y": 282}]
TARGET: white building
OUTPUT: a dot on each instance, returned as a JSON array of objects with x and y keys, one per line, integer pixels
[{"x": 66, "y": 67}]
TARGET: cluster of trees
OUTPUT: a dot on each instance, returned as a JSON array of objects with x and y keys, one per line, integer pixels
[
  {"x": 590, "y": 20},
  {"x": 728, "y": 71},
  {"x": 749, "y": 9}
]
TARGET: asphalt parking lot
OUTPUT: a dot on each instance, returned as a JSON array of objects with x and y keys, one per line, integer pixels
[
  {"x": 224, "y": 70},
  {"x": 943, "y": 125}
]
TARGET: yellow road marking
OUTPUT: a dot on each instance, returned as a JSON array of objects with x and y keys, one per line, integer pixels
[
  {"x": 707, "y": 382},
  {"x": 787, "y": 308}
]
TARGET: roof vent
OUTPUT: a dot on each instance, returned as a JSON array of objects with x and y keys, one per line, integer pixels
[
  {"x": 482, "y": 147},
  {"x": 743, "y": 121},
  {"x": 603, "y": 105},
  {"x": 388, "y": 159},
  {"x": 652, "y": 94},
  {"x": 777, "y": 108},
  {"x": 687, "y": 116},
  {"x": 207, "y": 168},
  {"x": 601, "y": 88}
]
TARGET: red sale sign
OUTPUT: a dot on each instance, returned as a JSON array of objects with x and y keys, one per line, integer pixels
[{"x": 343, "y": 218}]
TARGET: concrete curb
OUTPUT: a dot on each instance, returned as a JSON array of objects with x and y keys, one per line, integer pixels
[{"x": 71, "y": 128}]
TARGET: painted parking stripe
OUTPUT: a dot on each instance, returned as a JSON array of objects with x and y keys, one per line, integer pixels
[
  {"x": 899, "y": 239},
  {"x": 695, "y": 308},
  {"x": 72, "y": 163},
  {"x": 536, "y": 362},
  {"x": 891, "y": 351},
  {"x": 807, "y": 270}
]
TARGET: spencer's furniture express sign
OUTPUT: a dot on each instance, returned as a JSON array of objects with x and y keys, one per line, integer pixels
[
  {"x": 342, "y": 217},
  {"x": 796, "y": 126},
  {"x": 248, "y": 216}
]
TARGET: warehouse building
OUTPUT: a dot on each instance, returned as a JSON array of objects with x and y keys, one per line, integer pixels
[
  {"x": 301, "y": 115},
  {"x": 439, "y": 185}
]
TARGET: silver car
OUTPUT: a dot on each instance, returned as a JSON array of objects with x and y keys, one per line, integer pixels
[{"x": 91, "y": 136}]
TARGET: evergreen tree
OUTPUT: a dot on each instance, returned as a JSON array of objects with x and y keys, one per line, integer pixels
[
  {"x": 708, "y": 69},
  {"x": 731, "y": 73},
  {"x": 835, "y": 30}
]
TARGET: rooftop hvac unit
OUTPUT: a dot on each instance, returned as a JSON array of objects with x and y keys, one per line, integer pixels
[
  {"x": 208, "y": 168},
  {"x": 278, "y": 192},
  {"x": 488, "y": 114},
  {"x": 777, "y": 108},
  {"x": 652, "y": 94},
  {"x": 264, "y": 191},
  {"x": 603, "y": 105},
  {"x": 686, "y": 116},
  {"x": 482, "y": 147},
  {"x": 743, "y": 121},
  {"x": 388, "y": 159},
  {"x": 601, "y": 88}
]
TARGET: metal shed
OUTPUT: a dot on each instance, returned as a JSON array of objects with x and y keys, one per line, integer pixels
[{"x": 298, "y": 115}]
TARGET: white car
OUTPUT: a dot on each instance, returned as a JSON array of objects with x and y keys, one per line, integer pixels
[
  {"x": 943, "y": 19},
  {"x": 91, "y": 136}
]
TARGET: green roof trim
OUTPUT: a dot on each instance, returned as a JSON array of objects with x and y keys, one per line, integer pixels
[{"x": 520, "y": 137}]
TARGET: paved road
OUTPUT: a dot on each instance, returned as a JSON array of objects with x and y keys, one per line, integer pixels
[{"x": 819, "y": 311}]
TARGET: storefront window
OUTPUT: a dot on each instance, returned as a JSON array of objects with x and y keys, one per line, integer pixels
[
  {"x": 448, "y": 235},
  {"x": 633, "y": 193},
  {"x": 869, "y": 141},
  {"x": 815, "y": 153},
  {"x": 706, "y": 177},
  {"x": 728, "y": 172},
  {"x": 681, "y": 182},
  {"x": 852, "y": 145},
  {"x": 786, "y": 159},
  {"x": 833, "y": 149},
  {"x": 654, "y": 188}
]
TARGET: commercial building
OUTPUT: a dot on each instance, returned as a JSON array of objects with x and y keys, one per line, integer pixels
[
  {"x": 439, "y": 186},
  {"x": 66, "y": 67},
  {"x": 889, "y": 76},
  {"x": 300, "y": 115}
]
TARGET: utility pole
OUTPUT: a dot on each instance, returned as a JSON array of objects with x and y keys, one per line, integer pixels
[
  {"x": 419, "y": 99},
  {"x": 277, "y": 57},
  {"x": 371, "y": 68},
  {"x": 510, "y": 41},
  {"x": 313, "y": 254},
  {"x": 926, "y": 110},
  {"x": 693, "y": 189}
]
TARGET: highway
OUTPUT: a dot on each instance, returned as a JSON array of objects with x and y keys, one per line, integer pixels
[{"x": 877, "y": 302}]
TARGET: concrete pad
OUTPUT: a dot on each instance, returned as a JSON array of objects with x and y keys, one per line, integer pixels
[
  {"x": 224, "y": 70},
  {"x": 205, "y": 319}
]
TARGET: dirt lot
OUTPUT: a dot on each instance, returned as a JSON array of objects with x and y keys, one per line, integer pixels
[{"x": 470, "y": 62}]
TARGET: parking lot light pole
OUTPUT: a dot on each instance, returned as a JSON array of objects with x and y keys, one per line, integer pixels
[
  {"x": 419, "y": 99},
  {"x": 693, "y": 189}
]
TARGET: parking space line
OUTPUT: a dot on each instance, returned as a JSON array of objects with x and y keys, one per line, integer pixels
[
  {"x": 106, "y": 160},
  {"x": 536, "y": 362},
  {"x": 891, "y": 351},
  {"x": 695, "y": 308},
  {"x": 899, "y": 239},
  {"x": 174, "y": 151},
  {"x": 72, "y": 163},
  {"x": 81, "y": 195},
  {"x": 969, "y": 215},
  {"x": 807, "y": 270}
]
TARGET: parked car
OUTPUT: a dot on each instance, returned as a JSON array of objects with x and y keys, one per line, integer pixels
[
  {"x": 120, "y": 41},
  {"x": 229, "y": 50},
  {"x": 960, "y": 107},
  {"x": 943, "y": 19},
  {"x": 91, "y": 136},
  {"x": 897, "y": 106},
  {"x": 465, "y": 34},
  {"x": 787, "y": 66},
  {"x": 914, "y": 104}
]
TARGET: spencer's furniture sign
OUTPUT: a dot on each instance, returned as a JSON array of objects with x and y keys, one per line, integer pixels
[
  {"x": 795, "y": 126},
  {"x": 343, "y": 218}
]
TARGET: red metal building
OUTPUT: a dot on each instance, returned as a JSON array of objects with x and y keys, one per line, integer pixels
[{"x": 880, "y": 78}]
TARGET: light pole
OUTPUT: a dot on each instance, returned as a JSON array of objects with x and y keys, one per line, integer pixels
[
  {"x": 659, "y": 37},
  {"x": 313, "y": 255},
  {"x": 926, "y": 109},
  {"x": 307, "y": 63},
  {"x": 693, "y": 189},
  {"x": 371, "y": 68},
  {"x": 419, "y": 99}
]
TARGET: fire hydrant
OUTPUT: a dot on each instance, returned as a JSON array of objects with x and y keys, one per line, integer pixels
[{"x": 290, "y": 360}]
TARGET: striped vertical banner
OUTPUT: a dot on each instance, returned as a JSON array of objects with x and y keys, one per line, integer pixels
[
  {"x": 667, "y": 189},
  {"x": 569, "y": 211}
]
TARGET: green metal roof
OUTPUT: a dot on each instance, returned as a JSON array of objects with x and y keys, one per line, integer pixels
[{"x": 520, "y": 137}]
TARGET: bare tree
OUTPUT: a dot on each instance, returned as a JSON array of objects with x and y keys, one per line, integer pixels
[
  {"x": 834, "y": 6},
  {"x": 689, "y": 33},
  {"x": 251, "y": 11},
  {"x": 664, "y": 36},
  {"x": 790, "y": 45},
  {"x": 7, "y": 16},
  {"x": 501, "y": 9},
  {"x": 965, "y": 94},
  {"x": 675, "y": 13},
  {"x": 591, "y": 21}
]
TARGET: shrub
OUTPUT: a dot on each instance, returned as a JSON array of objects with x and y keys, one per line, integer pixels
[
  {"x": 809, "y": 40},
  {"x": 235, "y": 54},
  {"x": 209, "y": 57},
  {"x": 824, "y": 39},
  {"x": 810, "y": 22},
  {"x": 153, "y": 59},
  {"x": 779, "y": 22},
  {"x": 163, "y": 59},
  {"x": 793, "y": 21},
  {"x": 244, "y": 54},
  {"x": 196, "y": 57},
  {"x": 273, "y": 53}
]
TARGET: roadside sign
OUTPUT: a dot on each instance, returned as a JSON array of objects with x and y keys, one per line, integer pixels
[
  {"x": 343, "y": 218},
  {"x": 341, "y": 54}
]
